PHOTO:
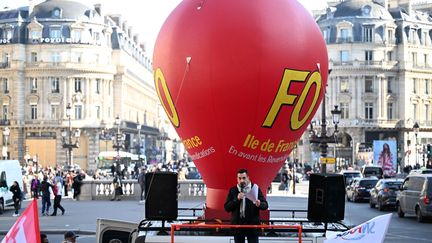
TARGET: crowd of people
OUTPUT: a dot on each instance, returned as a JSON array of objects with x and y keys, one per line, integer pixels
[{"x": 50, "y": 185}]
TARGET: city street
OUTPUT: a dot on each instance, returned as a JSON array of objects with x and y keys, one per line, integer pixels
[{"x": 81, "y": 216}]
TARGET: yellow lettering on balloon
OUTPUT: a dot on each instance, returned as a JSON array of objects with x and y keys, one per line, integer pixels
[
  {"x": 170, "y": 110},
  {"x": 284, "y": 98},
  {"x": 315, "y": 78}
]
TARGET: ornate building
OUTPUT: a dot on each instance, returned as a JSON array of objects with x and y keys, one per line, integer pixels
[
  {"x": 380, "y": 55},
  {"x": 62, "y": 52}
]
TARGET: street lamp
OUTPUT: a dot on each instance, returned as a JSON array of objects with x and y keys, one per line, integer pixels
[
  {"x": 6, "y": 133},
  {"x": 323, "y": 139},
  {"x": 139, "y": 142},
  {"x": 416, "y": 129},
  {"x": 118, "y": 140},
  {"x": 67, "y": 136}
]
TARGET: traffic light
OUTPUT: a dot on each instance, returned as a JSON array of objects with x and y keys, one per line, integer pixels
[{"x": 429, "y": 151}]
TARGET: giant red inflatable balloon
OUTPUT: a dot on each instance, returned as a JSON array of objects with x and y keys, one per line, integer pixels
[{"x": 240, "y": 80}]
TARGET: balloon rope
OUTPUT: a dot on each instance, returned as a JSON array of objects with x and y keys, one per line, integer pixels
[{"x": 188, "y": 59}]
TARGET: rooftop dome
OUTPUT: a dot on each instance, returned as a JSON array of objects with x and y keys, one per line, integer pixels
[
  {"x": 361, "y": 8},
  {"x": 62, "y": 9}
]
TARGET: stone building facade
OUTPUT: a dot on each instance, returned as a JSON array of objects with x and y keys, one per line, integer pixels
[
  {"x": 380, "y": 53},
  {"x": 64, "y": 52}
]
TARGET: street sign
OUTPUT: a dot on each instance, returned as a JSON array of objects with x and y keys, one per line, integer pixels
[{"x": 328, "y": 160}]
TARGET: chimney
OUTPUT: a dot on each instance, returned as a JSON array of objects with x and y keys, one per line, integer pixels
[
  {"x": 31, "y": 6},
  {"x": 98, "y": 8}
]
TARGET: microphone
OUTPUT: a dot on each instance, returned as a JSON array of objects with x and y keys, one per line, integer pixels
[{"x": 242, "y": 186}]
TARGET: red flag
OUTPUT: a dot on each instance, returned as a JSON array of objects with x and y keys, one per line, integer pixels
[{"x": 26, "y": 228}]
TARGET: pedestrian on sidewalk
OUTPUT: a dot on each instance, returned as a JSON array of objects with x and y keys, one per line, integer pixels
[
  {"x": 118, "y": 190},
  {"x": 35, "y": 183},
  {"x": 16, "y": 197},
  {"x": 46, "y": 189},
  {"x": 57, "y": 191},
  {"x": 243, "y": 210},
  {"x": 141, "y": 182}
]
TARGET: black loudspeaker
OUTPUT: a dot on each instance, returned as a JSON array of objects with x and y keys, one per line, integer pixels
[
  {"x": 161, "y": 196},
  {"x": 326, "y": 198}
]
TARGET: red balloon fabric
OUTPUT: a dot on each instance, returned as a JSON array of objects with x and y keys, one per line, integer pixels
[{"x": 240, "y": 80}]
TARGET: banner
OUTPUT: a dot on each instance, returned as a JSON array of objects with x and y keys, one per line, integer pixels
[
  {"x": 373, "y": 230},
  {"x": 26, "y": 228},
  {"x": 385, "y": 155}
]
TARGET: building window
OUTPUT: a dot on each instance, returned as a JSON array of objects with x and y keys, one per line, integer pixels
[
  {"x": 344, "y": 56},
  {"x": 78, "y": 85},
  {"x": 33, "y": 85},
  {"x": 78, "y": 112},
  {"x": 98, "y": 109},
  {"x": 427, "y": 112},
  {"x": 344, "y": 85},
  {"x": 33, "y": 57},
  {"x": 33, "y": 109},
  {"x": 5, "y": 112},
  {"x": 368, "y": 111},
  {"x": 368, "y": 56},
  {"x": 415, "y": 111},
  {"x": 76, "y": 35},
  {"x": 6, "y": 59},
  {"x": 98, "y": 83},
  {"x": 9, "y": 33},
  {"x": 368, "y": 84},
  {"x": 426, "y": 60},
  {"x": 325, "y": 35},
  {"x": 414, "y": 85},
  {"x": 5, "y": 82},
  {"x": 389, "y": 111},
  {"x": 344, "y": 110},
  {"x": 389, "y": 56},
  {"x": 55, "y": 85},
  {"x": 55, "y": 33},
  {"x": 54, "y": 112},
  {"x": 55, "y": 58},
  {"x": 390, "y": 85},
  {"x": 35, "y": 34},
  {"x": 414, "y": 58},
  {"x": 344, "y": 35},
  {"x": 367, "y": 34},
  {"x": 390, "y": 36},
  {"x": 427, "y": 86}
]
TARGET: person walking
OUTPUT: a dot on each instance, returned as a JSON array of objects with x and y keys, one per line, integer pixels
[
  {"x": 243, "y": 210},
  {"x": 35, "y": 184},
  {"x": 45, "y": 188},
  {"x": 16, "y": 197},
  {"x": 118, "y": 190},
  {"x": 141, "y": 182},
  {"x": 57, "y": 191},
  {"x": 76, "y": 186}
]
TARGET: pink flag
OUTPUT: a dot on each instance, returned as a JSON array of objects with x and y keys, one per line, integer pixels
[{"x": 26, "y": 228}]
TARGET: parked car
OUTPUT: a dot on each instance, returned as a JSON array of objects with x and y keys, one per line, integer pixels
[
  {"x": 384, "y": 193},
  {"x": 359, "y": 188},
  {"x": 415, "y": 196},
  {"x": 372, "y": 170},
  {"x": 349, "y": 175},
  {"x": 421, "y": 171}
]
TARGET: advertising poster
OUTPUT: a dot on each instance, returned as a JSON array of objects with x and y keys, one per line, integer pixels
[{"x": 385, "y": 155}]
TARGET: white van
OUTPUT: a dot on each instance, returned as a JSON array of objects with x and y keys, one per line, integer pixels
[{"x": 10, "y": 171}]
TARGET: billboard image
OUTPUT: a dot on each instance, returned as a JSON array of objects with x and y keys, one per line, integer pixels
[{"x": 385, "y": 156}]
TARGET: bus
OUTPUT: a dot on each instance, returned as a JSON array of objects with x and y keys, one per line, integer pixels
[{"x": 107, "y": 158}]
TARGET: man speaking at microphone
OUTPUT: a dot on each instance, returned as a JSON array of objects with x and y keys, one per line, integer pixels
[{"x": 244, "y": 202}]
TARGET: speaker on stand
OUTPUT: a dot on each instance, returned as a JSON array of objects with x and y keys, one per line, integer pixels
[
  {"x": 161, "y": 197},
  {"x": 326, "y": 201}
]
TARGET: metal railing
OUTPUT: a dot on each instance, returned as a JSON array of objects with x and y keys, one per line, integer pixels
[{"x": 216, "y": 227}]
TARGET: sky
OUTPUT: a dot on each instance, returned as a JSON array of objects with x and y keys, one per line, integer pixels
[{"x": 146, "y": 16}]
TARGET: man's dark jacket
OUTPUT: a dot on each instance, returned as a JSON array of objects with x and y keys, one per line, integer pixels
[{"x": 232, "y": 204}]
